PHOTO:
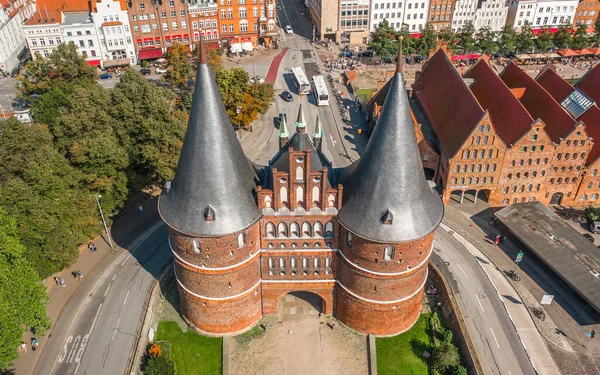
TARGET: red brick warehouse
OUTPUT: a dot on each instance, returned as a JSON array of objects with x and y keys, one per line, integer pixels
[{"x": 359, "y": 237}]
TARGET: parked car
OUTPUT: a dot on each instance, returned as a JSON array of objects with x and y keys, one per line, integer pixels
[
  {"x": 366, "y": 54},
  {"x": 346, "y": 54},
  {"x": 15, "y": 72},
  {"x": 256, "y": 79},
  {"x": 145, "y": 71},
  {"x": 287, "y": 96},
  {"x": 105, "y": 76},
  {"x": 160, "y": 70},
  {"x": 288, "y": 29},
  {"x": 595, "y": 227},
  {"x": 589, "y": 237}
]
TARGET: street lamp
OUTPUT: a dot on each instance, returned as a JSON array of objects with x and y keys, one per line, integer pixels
[{"x": 104, "y": 221}]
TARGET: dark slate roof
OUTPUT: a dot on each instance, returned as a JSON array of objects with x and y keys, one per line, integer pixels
[
  {"x": 212, "y": 171},
  {"x": 557, "y": 244},
  {"x": 389, "y": 179},
  {"x": 510, "y": 118}
]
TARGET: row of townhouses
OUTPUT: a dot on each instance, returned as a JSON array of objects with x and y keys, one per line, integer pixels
[{"x": 117, "y": 32}]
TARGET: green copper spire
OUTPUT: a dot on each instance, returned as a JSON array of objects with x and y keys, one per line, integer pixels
[
  {"x": 283, "y": 132},
  {"x": 300, "y": 122},
  {"x": 318, "y": 131}
]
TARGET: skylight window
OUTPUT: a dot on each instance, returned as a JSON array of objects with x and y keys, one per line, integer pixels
[{"x": 577, "y": 103}]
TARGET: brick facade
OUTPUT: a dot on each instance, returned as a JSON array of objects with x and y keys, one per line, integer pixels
[
  {"x": 587, "y": 13},
  {"x": 247, "y": 21},
  {"x": 440, "y": 14}
]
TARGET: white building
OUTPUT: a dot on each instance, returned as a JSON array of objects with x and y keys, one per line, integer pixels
[
  {"x": 491, "y": 13},
  {"x": 78, "y": 28},
  {"x": 114, "y": 34},
  {"x": 410, "y": 12},
  {"x": 43, "y": 32},
  {"x": 464, "y": 12},
  {"x": 541, "y": 13},
  {"x": 12, "y": 38},
  {"x": 204, "y": 18}
]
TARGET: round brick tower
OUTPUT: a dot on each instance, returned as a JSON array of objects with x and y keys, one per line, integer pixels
[
  {"x": 213, "y": 219},
  {"x": 387, "y": 220}
]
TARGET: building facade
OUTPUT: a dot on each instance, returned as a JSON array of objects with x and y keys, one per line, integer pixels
[
  {"x": 440, "y": 13},
  {"x": 79, "y": 29},
  {"x": 413, "y": 13},
  {"x": 587, "y": 13},
  {"x": 246, "y": 24},
  {"x": 43, "y": 32},
  {"x": 326, "y": 28},
  {"x": 12, "y": 37},
  {"x": 114, "y": 33},
  {"x": 204, "y": 18},
  {"x": 491, "y": 13},
  {"x": 240, "y": 245},
  {"x": 541, "y": 13}
]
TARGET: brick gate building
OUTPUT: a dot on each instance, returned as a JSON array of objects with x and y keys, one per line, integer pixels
[{"x": 242, "y": 237}]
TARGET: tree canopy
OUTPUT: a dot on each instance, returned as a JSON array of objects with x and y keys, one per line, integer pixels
[{"x": 384, "y": 40}]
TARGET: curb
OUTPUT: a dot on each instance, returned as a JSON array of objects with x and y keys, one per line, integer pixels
[
  {"x": 372, "y": 355},
  {"x": 225, "y": 356}
]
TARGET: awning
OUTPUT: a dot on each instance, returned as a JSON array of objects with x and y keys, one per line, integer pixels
[
  {"x": 523, "y": 56},
  {"x": 245, "y": 40},
  {"x": 474, "y": 56},
  {"x": 148, "y": 54},
  {"x": 538, "y": 56},
  {"x": 247, "y": 46},
  {"x": 93, "y": 62},
  {"x": 459, "y": 57},
  {"x": 552, "y": 55},
  {"x": 235, "y": 47},
  {"x": 587, "y": 51},
  {"x": 416, "y": 35},
  {"x": 567, "y": 52},
  {"x": 117, "y": 62}
]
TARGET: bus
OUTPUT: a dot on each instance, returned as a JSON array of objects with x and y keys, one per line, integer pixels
[
  {"x": 320, "y": 91},
  {"x": 300, "y": 81}
]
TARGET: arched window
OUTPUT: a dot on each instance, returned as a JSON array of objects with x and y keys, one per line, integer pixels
[
  {"x": 300, "y": 196},
  {"x": 349, "y": 238},
  {"x": 318, "y": 229},
  {"x": 268, "y": 201},
  {"x": 388, "y": 253},
  {"x": 283, "y": 195},
  {"x": 505, "y": 201},
  {"x": 583, "y": 197},
  {"x": 306, "y": 230},
  {"x": 270, "y": 229},
  {"x": 294, "y": 230},
  {"x": 330, "y": 200},
  {"x": 316, "y": 196},
  {"x": 299, "y": 174},
  {"x": 241, "y": 240},
  {"x": 329, "y": 230},
  {"x": 316, "y": 263},
  {"x": 196, "y": 246},
  {"x": 270, "y": 262},
  {"x": 282, "y": 230},
  {"x": 594, "y": 197}
]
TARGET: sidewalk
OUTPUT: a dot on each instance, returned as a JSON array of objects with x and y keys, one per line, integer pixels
[{"x": 125, "y": 231}]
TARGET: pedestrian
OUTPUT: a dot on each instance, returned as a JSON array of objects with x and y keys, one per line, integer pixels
[
  {"x": 503, "y": 238},
  {"x": 57, "y": 280},
  {"x": 492, "y": 221},
  {"x": 79, "y": 275},
  {"x": 93, "y": 248},
  {"x": 140, "y": 209},
  {"x": 497, "y": 240},
  {"x": 34, "y": 344},
  {"x": 62, "y": 282},
  {"x": 23, "y": 347}
]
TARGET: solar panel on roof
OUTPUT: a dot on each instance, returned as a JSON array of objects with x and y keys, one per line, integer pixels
[{"x": 576, "y": 103}]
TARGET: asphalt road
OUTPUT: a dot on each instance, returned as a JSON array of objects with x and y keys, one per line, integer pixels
[
  {"x": 101, "y": 337},
  {"x": 7, "y": 94},
  {"x": 496, "y": 341}
]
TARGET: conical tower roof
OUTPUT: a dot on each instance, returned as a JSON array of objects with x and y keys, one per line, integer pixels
[
  {"x": 386, "y": 196},
  {"x": 318, "y": 131},
  {"x": 212, "y": 193},
  {"x": 300, "y": 122},
  {"x": 283, "y": 131}
]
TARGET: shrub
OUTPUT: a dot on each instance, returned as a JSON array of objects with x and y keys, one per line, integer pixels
[
  {"x": 445, "y": 356},
  {"x": 159, "y": 366},
  {"x": 448, "y": 336},
  {"x": 592, "y": 214},
  {"x": 459, "y": 370},
  {"x": 155, "y": 351}
]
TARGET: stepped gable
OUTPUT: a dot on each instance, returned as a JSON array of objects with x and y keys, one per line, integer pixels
[
  {"x": 590, "y": 83},
  {"x": 511, "y": 120},
  {"x": 539, "y": 103},
  {"x": 386, "y": 196},
  {"x": 212, "y": 193},
  {"x": 449, "y": 104}
]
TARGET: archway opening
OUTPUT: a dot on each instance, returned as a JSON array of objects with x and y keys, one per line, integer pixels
[
  {"x": 556, "y": 198},
  {"x": 300, "y": 303},
  {"x": 429, "y": 173},
  {"x": 456, "y": 196}
]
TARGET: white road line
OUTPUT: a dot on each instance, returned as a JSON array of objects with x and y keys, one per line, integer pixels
[
  {"x": 126, "y": 259},
  {"x": 509, "y": 373},
  {"x": 113, "y": 279},
  {"x": 95, "y": 318},
  {"x": 463, "y": 271},
  {"x": 115, "y": 331},
  {"x": 107, "y": 289},
  {"x": 478, "y": 300},
  {"x": 495, "y": 339},
  {"x": 126, "y": 298},
  {"x": 77, "y": 368}
]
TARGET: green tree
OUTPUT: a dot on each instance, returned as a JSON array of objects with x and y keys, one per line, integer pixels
[
  {"x": 450, "y": 37},
  {"x": 508, "y": 40},
  {"x": 448, "y": 335},
  {"x": 180, "y": 68},
  {"x": 445, "y": 356},
  {"x": 466, "y": 40},
  {"x": 524, "y": 40},
  {"x": 63, "y": 65},
  {"x": 459, "y": 370},
  {"x": 384, "y": 40},
  {"x": 427, "y": 41},
  {"x": 22, "y": 296},
  {"x": 543, "y": 42},
  {"x": 159, "y": 366},
  {"x": 595, "y": 38},
  {"x": 562, "y": 38},
  {"x": 486, "y": 40},
  {"x": 580, "y": 37},
  {"x": 409, "y": 42},
  {"x": 592, "y": 214}
]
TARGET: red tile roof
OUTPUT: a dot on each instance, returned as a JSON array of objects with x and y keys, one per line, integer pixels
[
  {"x": 64, "y": 5},
  {"x": 449, "y": 104},
  {"x": 510, "y": 118},
  {"x": 590, "y": 84},
  {"x": 539, "y": 103},
  {"x": 554, "y": 84},
  {"x": 45, "y": 17}
]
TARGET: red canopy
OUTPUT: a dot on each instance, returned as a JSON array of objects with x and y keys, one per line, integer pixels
[
  {"x": 474, "y": 56},
  {"x": 93, "y": 62},
  {"x": 587, "y": 51},
  {"x": 154, "y": 53},
  {"x": 416, "y": 35},
  {"x": 459, "y": 57},
  {"x": 567, "y": 52}
]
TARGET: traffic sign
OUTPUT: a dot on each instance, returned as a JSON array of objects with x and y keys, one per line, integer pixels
[{"x": 519, "y": 257}]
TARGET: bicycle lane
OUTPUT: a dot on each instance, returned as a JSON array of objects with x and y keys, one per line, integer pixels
[{"x": 532, "y": 341}]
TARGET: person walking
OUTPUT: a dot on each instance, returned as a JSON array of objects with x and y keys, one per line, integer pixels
[
  {"x": 497, "y": 240},
  {"x": 57, "y": 280},
  {"x": 23, "y": 347},
  {"x": 34, "y": 344},
  {"x": 79, "y": 275},
  {"x": 140, "y": 209},
  {"x": 93, "y": 247}
]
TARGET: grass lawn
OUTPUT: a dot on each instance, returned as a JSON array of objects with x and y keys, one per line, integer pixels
[
  {"x": 402, "y": 354},
  {"x": 185, "y": 347},
  {"x": 364, "y": 95}
]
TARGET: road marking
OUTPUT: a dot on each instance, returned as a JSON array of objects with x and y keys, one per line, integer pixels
[
  {"x": 478, "y": 300},
  {"x": 107, "y": 289},
  {"x": 509, "y": 373},
  {"x": 126, "y": 298},
  {"x": 463, "y": 271},
  {"x": 73, "y": 349},
  {"x": 117, "y": 327},
  {"x": 80, "y": 352},
  {"x": 113, "y": 279},
  {"x": 495, "y": 339},
  {"x": 126, "y": 259},
  {"x": 95, "y": 318}
]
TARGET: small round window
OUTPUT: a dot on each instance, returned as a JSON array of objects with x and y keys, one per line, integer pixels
[
  {"x": 300, "y": 159},
  {"x": 283, "y": 180}
]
